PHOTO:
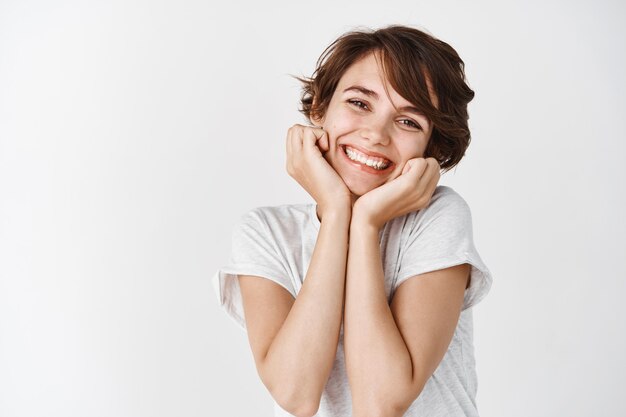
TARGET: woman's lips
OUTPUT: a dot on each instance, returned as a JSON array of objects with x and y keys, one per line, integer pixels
[
  {"x": 363, "y": 167},
  {"x": 366, "y": 152}
]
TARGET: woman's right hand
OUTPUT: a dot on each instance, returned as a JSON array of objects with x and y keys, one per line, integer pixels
[{"x": 307, "y": 165}]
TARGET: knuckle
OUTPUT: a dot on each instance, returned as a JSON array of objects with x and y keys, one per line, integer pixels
[{"x": 293, "y": 130}]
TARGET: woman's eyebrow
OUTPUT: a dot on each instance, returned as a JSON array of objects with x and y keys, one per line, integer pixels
[
  {"x": 363, "y": 90},
  {"x": 371, "y": 93}
]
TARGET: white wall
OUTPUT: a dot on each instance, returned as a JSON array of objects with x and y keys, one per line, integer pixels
[{"x": 134, "y": 134}]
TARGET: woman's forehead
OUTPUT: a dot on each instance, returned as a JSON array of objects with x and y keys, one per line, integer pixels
[
  {"x": 367, "y": 68},
  {"x": 367, "y": 76}
]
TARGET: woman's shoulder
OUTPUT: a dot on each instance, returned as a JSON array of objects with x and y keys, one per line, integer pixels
[
  {"x": 447, "y": 194},
  {"x": 279, "y": 215},
  {"x": 444, "y": 199},
  {"x": 447, "y": 208},
  {"x": 281, "y": 210}
]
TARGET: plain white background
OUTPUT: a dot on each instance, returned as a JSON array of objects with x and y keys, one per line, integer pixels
[{"x": 134, "y": 134}]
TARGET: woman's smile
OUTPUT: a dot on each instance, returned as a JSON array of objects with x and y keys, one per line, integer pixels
[{"x": 359, "y": 161}]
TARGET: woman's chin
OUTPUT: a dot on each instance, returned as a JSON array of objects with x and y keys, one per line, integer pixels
[
  {"x": 359, "y": 189},
  {"x": 358, "y": 183}
]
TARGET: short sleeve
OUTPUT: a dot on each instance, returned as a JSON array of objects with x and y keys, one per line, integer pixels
[
  {"x": 441, "y": 236},
  {"x": 254, "y": 251}
]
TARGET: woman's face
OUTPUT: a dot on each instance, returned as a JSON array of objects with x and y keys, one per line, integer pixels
[{"x": 369, "y": 140}]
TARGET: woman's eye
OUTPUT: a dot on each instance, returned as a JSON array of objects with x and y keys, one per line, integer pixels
[
  {"x": 358, "y": 103},
  {"x": 407, "y": 122},
  {"x": 411, "y": 123}
]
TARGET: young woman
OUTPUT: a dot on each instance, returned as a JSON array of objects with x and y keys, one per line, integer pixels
[{"x": 359, "y": 304}]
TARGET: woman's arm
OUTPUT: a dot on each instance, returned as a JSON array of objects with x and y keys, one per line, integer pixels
[
  {"x": 377, "y": 360},
  {"x": 295, "y": 345},
  {"x": 392, "y": 351},
  {"x": 294, "y": 342}
]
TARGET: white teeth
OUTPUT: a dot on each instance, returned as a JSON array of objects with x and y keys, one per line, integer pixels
[{"x": 366, "y": 161}]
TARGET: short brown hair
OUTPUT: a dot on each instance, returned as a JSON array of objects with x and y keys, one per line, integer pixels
[{"x": 410, "y": 57}]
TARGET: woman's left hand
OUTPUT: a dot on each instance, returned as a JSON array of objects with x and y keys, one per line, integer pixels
[{"x": 410, "y": 191}]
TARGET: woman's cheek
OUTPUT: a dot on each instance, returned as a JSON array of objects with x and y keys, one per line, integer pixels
[
  {"x": 345, "y": 123},
  {"x": 411, "y": 146}
]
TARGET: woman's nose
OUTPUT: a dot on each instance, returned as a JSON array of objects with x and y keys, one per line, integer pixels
[{"x": 376, "y": 132}]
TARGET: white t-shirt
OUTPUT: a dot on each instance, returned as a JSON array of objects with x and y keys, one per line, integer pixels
[{"x": 277, "y": 243}]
